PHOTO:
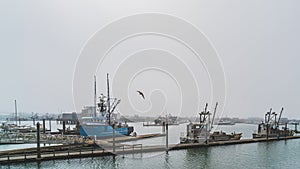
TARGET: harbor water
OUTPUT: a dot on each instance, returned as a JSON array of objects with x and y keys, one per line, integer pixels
[{"x": 274, "y": 154}]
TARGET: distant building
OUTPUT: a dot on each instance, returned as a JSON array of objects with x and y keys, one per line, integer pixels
[
  {"x": 68, "y": 117},
  {"x": 254, "y": 120},
  {"x": 283, "y": 120},
  {"x": 88, "y": 111}
]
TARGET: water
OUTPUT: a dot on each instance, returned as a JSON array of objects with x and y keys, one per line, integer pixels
[
  {"x": 277, "y": 154},
  {"x": 281, "y": 154}
]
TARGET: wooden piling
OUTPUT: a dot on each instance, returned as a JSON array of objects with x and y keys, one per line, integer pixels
[
  {"x": 50, "y": 124},
  {"x": 64, "y": 126},
  {"x": 167, "y": 133},
  {"x": 44, "y": 126},
  {"x": 38, "y": 148}
]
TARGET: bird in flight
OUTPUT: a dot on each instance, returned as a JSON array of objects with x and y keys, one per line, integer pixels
[{"x": 141, "y": 93}]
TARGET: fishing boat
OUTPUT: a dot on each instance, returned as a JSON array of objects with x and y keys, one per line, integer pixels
[
  {"x": 269, "y": 128},
  {"x": 14, "y": 127},
  {"x": 104, "y": 122},
  {"x": 222, "y": 136},
  {"x": 198, "y": 133},
  {"x": 201, "y": 132},
  {"x": 225, "y": 122},
  {"x": 295, "y": 123},
  {"x": 161, "y": 121}
]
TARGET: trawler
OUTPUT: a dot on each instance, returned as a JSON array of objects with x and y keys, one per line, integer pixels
[
  {"x": 161, "y": 121},
  {"x": 225, "y": 122},
  {"x": 104, "y": 123},
  {"x": 201, "y": 132},
  {"x": 270, "y": 127}
]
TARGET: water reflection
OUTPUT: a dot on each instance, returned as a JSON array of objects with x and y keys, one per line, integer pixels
[
  {"x": 197, "y": 157},
  {"x": 166, "y": 162},
  {"x": 256, "y": 155},
  {"x": 38, "y": 165}
]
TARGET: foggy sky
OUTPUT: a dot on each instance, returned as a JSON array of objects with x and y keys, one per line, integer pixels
[{"x": 257, "y": 42}]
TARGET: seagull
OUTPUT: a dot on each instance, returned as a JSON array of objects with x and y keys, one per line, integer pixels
[{"x": 141, "y": 93}]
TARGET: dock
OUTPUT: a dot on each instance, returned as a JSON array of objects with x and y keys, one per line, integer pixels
[
  {"x": 30, "y": 138},
  {"x": 130, "y": 138},
  {"x": 63, "y": 152},
  {"x": 157, "y": 125}
]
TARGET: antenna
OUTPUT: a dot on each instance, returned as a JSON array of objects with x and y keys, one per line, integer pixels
[
  {"x": 16, "y": 112},
  {"x": 95, "y": 96},
  {"x": 108, "y": 99},
  {"x": 205, "y": 107}
]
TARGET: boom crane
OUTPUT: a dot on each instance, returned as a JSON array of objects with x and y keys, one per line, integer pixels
[
  {"x": 114, "y": 106},
  {"x": 279, "y": 117},
  {"x": 212, "y": 122}
]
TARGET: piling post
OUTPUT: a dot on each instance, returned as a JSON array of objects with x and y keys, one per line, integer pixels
[
  {"x": 64, "y": 126},
  {"x": 38, "y": 140},
  {"x": 44, "y": 126},
  {"x": 16, "y": 112},
  {"x": 267, "y": 131},
  {"x": 33, "y": 120},
  {"x": 50, "y": 124},
  {"x": 167, "y": 137},
  {"x": 114, "y": 148},
  {"x": 285, "y": 128},
  {"x": 206, "y": 134},
  {"x": 77, "y": 126}
]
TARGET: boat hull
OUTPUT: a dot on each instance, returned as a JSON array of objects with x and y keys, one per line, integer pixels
[
  {"x": 255, "y": 135},
  {"x": 218, "y": 136},
  {"x": 104, "y": 130}
]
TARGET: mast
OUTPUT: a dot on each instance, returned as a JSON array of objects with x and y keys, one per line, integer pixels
[
  {"x": 267, "y": 116},
  {"x": 95, "y": 96},
  {"x": 108, "y": 99},
  {"x": 205, "y": 112},
  {"x": 16, "y": 112}
]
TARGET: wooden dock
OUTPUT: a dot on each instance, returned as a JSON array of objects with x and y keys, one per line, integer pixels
[
  {"x": 30, "y": 138},
  {"x": 130, "y": 138},
  {"x": 91, "y": 150}
]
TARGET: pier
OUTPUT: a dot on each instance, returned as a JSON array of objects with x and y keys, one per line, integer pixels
[
  {"x": 62, "y": 152},
  {"x": 30, "y": 138}
]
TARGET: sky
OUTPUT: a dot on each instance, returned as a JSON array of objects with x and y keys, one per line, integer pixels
[{"x": 257, "y": 43}]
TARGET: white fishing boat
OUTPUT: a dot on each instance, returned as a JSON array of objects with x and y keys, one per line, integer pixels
[
  {"x": 201, "y": 132},
  {"x": 270, "y": 127}
]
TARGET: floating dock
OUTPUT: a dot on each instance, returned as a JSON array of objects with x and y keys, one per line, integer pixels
[
  {"x": 30, "y": 138},
  {"x": 130, "y": 138},
  {"x": 62, "y": 152}
]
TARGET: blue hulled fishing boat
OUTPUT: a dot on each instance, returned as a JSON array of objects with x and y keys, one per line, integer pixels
[{"x": 104, "y": 122}]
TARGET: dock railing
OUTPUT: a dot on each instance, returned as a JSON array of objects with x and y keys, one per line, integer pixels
[
  {"x": 131, "y": 147},
  {"x": 19, "y": 138},
  {"x": 50, "y": 153}
]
